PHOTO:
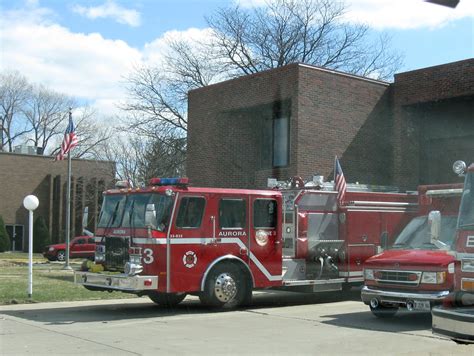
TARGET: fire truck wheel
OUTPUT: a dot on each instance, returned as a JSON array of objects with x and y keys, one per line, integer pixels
[
  {"x": 225, "y": 287},
  {"x": 384, "y": 312},
  {"x": 167, "y": 300},
  {"x": 61, "y": 255}
]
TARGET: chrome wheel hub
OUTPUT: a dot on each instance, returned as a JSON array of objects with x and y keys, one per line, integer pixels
[{"x": 225, "y": 287}]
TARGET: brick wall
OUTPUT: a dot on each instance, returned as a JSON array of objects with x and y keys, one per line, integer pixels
[
  {"x": 389, "y": 134},
  {"x": 21, "y": 175},
  {"x": 423, "y": 101},
  {"x": 346, "y": 116},
  {"x": 225, "y": 127},
  {"x": 330, "y": 113}
]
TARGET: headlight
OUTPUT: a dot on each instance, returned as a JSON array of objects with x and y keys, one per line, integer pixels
[
  {"x": 51, "y": 249},
  {"x": 467, "y": 265},
  {"x": 99, "y": 253},
  {"x": 433, "y": 277},
  {"x": 369, "y": 274},
  {"x": 132, "y": 269}
]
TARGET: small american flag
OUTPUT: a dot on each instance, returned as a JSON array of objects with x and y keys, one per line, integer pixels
[
  {"x": 340, "y": 182},
  {"x": 69, "y": 141}
]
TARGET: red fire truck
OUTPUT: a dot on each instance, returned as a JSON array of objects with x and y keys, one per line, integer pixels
[
  {"x": 170, "y": 239},
  {"x": 455, "y": 319},
  {"x": 418, "y": 270}
]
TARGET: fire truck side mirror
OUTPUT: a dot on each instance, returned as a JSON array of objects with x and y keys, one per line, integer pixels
[
  {"x": 85, "y": 217},
  {"x": 384, "y": 240},
  {"x": 434, "y": 220},
  {"x": 150, "y": 215}
]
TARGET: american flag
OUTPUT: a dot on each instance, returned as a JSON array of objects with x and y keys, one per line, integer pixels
[
  {"x": 340, "y": 182},
  {"x": 69, "y": 141}
]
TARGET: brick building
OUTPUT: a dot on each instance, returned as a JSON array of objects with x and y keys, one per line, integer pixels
[
  {"x": 22, "y": 174},
  {"x": 293, "y": 120}
]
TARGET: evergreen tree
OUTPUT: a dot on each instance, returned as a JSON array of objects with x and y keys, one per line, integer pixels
[
  {"x": 41, "y": 236},
  {"x": 4, "y": 238}
]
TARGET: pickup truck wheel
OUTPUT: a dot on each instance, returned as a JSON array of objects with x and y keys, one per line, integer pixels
[
  {"x": 225, "y": 287},
  {"x": 384, "y": 312},
  {"x": 61, "y": 255},
  {"x": 167, "y": 299}
]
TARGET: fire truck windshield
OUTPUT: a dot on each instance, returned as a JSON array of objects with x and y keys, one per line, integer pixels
[
  {"x": 466, "y": 211},
  {"x": 416, "y": 235},
  {"x": 129, "y": 210}
]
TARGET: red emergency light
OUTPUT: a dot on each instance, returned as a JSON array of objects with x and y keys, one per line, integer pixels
[{"x": 168, "y": 181}]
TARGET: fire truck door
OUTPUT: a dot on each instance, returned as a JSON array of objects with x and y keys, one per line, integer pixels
[
  {"x": 265, "y": 239},
  {"x": 189, "y": 240}
]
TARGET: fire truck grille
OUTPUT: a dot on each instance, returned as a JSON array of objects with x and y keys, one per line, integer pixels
[
  {"x": 398, "y": 277},
  {"x": 116, "y": 252}
]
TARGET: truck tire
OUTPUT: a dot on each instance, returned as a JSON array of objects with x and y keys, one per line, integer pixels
[
  {"x": 167, "y": 299},
  {"x": 384, "y": 312},
  {"x": 225, "y": 287}
]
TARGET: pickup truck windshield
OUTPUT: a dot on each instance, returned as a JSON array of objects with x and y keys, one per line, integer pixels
[
  {"x": 129, "y": 210},
  {"x": 416, "y": 235},
  {"x": 466, "y": 211}
]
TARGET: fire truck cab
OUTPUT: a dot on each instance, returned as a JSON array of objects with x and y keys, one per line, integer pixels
[
  {"x": 455, "y": 318},
  {"x": 170, "y": 239}
]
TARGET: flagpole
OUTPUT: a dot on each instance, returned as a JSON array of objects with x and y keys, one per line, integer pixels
[
  {"x": 68, "y": 208},
  {"x": 335, "y": 162}
]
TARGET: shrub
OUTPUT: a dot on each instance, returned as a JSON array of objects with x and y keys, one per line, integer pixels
[
  {"x": 41, "y": 236},
  {"x": 4, "y": 238}
]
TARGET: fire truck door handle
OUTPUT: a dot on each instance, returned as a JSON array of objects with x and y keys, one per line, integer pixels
[{"x": 213, "y": 240}]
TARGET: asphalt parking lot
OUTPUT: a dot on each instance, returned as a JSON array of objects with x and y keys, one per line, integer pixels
[{"x": 276, "y": 323}]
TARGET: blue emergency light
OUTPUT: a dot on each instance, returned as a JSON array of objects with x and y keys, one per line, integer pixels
[{"x": 169, "y": 181}]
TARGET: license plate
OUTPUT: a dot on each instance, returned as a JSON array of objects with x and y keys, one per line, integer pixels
[{"x": 422, "y": 305}]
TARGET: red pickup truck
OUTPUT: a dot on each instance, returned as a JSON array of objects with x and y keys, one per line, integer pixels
[{"x": 416, "y": 272}]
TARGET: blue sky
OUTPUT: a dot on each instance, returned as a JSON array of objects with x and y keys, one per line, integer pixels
[{"x": 84, "y": 48}]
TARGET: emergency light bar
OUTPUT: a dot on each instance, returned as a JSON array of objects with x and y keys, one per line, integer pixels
[{"x": 168, "y": 181}]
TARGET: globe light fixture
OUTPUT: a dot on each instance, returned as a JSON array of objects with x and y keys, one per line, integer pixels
[{"x": 30, "y": 203}]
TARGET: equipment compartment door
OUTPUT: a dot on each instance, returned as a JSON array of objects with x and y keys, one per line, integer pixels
[
  {"x": 265, "y": 241},
  {"x": 357, "y": 254}
]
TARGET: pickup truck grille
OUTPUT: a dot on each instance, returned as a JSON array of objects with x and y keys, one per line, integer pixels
[
  {"x": 116, "y": 252},
  {"x": 397, "y": 277}
]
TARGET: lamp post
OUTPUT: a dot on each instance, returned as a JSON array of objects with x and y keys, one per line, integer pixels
[{"x": 30, "y": 203}]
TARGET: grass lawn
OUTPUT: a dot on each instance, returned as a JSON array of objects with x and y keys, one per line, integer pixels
[{"x": 50, "y": 282}]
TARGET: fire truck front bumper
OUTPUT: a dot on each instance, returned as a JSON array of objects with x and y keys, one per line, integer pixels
[
  {"x": 411, "y": 300},
  {"x": 455, "y": 323},
  {"x": 119, "y": 282}
]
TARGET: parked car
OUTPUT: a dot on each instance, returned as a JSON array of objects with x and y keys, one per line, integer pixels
[{"x": 80, "y": 247}]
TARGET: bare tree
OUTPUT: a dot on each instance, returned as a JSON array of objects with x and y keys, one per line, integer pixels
[
  {"x": 244, "y": 41},
  {"x": 307, "y": 31},
  {"x": 45, "y": 111},
  {"x": 92, "y": 137},
  {"x": 14, "y": 93},
  {"x": 127, "y": 153}
]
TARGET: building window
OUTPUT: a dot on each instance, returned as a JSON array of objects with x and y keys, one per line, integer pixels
[{"x": 280, "y": 141}]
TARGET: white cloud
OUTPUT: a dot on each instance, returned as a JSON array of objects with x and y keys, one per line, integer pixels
[
  {"x": 395, "y": 14},
  {"x": 405, "y": 14},
  {"x": 110, "y": 10},
  {"x": 86, "y": 66}
]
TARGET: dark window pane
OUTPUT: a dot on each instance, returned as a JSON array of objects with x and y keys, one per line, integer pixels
[
  {"x": 280, "y": 142},
  {"x": 264, "y": 213},
  {"x": 232, "y": 213},
  {"x": 190, "y": 212}
]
